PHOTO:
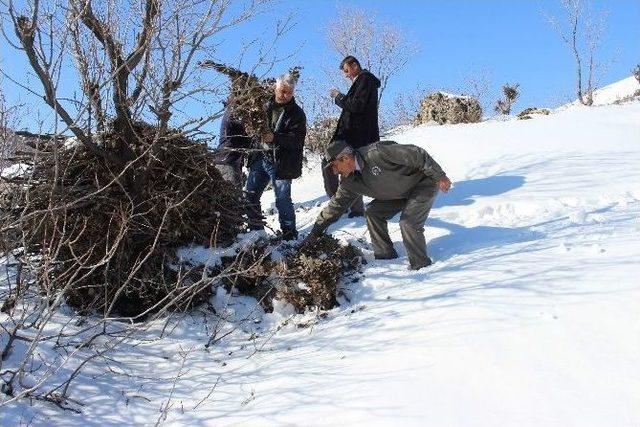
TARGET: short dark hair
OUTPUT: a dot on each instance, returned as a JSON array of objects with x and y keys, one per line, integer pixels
[{"x": 350, "y": 60}]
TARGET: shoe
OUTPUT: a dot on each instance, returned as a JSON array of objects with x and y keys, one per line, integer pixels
[
  {"x": 393, "y": 255},
  {"x": 418, "y": 267},
  {"x": 290, "y": 234},
  {"x": 355, "y": 214}
]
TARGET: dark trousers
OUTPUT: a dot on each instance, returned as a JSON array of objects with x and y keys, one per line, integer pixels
[
  {"x": 331, "y": 183},
  {"x": 261, "y": 172}
]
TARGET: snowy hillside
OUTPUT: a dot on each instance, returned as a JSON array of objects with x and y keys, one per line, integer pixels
[
  {"x": 530, "y": 315},
  {"x": 614, "y": 92}
]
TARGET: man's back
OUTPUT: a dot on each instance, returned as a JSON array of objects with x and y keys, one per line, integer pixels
[
  {"x": 391, "y": 171},
  {"x": 358, "y": 123}
]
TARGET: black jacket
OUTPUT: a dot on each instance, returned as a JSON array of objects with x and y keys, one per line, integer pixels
[
  {"x": 289, "y": 132},
  {"x": 232, "y": 137},
  {"x": 358, "y": 123}
]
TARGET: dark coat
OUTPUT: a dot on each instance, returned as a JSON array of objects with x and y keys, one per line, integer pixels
[
  {"x": 233, "y": 139},
  {"x": 289, "y": 132},
  {"x": 358, "y": 123}
]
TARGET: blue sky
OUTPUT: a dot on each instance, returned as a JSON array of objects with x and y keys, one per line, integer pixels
[
  {"x": 506, "y": 40},
  {"x": 502, "y": 40}
]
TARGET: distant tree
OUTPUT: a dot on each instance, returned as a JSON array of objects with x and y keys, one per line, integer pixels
[
  {"x": 582, "y": 33},
  {"x": 406, "y": 106},
  {"x": 382, "y": 48},
  {"x": 478, "y": 83},
  {"x": 9, "y": 120},
  {"x": 319, "y": 134},
  {"x": 636, "y": 73},
  {"x": 510, "y": 94}
]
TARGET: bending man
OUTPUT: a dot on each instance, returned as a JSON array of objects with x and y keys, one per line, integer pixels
[{"x": 400, "y": 178}]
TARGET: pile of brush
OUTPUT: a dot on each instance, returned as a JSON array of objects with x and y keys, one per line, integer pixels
[
  {"x": 106, "y": 236},
  {"x": 306, "y": 276}
]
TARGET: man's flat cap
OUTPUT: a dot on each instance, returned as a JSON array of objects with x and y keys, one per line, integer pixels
[{"x": 335, "y": 148}]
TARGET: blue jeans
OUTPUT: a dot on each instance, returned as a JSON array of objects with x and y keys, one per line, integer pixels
[{"x": 261, "y": 171}]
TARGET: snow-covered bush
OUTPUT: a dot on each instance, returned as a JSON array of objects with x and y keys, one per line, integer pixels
[
  {"x": 307, "y": 276},
  {"x": 108, "y": 245},
  {"x": 510, "y": 94},
  {"x": 528, "y": 113}
]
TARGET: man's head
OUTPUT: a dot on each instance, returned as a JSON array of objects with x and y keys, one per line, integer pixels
[
  {"x": 341, "y": 158},
  {"x": 350, "y": 66},
  {"x": 283, "y": 90}
]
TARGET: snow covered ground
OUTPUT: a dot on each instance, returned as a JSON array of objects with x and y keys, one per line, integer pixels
[{"x": 530, "y": 315}]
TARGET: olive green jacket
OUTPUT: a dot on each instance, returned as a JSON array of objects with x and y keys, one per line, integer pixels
[{"x": 388, "y": 171}]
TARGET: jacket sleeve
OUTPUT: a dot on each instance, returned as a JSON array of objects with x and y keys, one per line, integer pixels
[
  {"x": 293, "y": 136},
  {"x": 357, "y": 101},
  {"x": 337, "y": 206},
  {"x": 412, "y": 156}
]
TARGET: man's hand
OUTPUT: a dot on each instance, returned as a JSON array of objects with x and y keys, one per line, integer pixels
[
  {"x": 312, "y": 237},
  {"x": 267, "y": 137},
  {"x": 334, "y": 93},
  {"x": 444, "y": 184}
]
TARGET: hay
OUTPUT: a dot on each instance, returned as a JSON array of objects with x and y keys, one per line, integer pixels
[
  {"x": 248, "y": 96},
  {"x": 110, "y": 243},
  {"x": 307, "y": 277}
]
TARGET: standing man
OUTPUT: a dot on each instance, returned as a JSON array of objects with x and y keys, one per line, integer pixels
[
  {"x": 281, "y": 158},
  {"x": 400, "y": 178},
  {"x": 358, "y": 123},
  {"x": 230, "y": 155}
]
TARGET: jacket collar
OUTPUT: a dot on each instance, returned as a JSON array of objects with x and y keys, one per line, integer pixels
[{"x": 272, "y": 103}]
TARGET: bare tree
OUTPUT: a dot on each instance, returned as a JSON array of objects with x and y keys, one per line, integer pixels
[
  {"x": 582, "y": 33},
  {"x": 636, "y": 73},
  {"x": 90, "y": 223},
  {"x": 7, "y": 121},
  {"x": 382, "y": 48},
  {"x": 406, "y": 106},
  {"x": 478, "y": 83}
]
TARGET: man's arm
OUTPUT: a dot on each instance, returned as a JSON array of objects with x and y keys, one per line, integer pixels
[
  {"x": 337, "y": 206},
  {"x": 357, "y": 101}
]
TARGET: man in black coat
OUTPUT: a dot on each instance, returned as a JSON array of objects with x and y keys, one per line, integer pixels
[
  {"x": 230, "y": 154},
  {"x": 281, "y": 158},
  {"x": 358, "y": 123}
]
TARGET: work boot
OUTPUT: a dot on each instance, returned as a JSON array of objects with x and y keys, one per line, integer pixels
[
  {"x": 291, "y": 234},
  {"x": 418, "y": 267},
  {"x": 392, "y": 255}
]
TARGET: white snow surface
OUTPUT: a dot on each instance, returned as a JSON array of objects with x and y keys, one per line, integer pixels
[
  {"x": 529, "y": 316},
  {"x": 15, "y": 170},
  {"x": 617, "y": 91}
]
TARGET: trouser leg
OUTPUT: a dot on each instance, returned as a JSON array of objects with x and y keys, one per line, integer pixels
[
  {"x": 412, "y": 221},
  {"x": 377, "y": 214},
  {"x": 256, "y": 183},
  {"x": 329, "y": 179},
  {"x": 284, "y": 204}
]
